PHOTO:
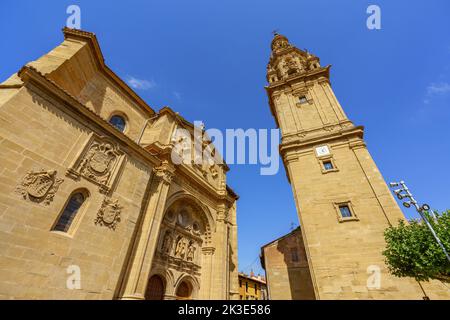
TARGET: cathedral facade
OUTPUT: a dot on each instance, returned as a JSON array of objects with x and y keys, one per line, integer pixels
[
  {"x": 91, "y": 204},
  {"x": 342, "y": 200}
]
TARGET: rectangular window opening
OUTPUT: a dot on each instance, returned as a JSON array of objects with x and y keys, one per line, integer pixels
[
  {"x": 345, "y": 211},
  {"x": 328, "y": 165},
  {"x": 302, "y": 99}
]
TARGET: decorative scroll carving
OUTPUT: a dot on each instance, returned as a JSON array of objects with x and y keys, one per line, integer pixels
[
  {"x": 109, "y": 213},
  {"x": 329, "y": 128},
  {"x": 98, "y": 163},
  {"x": 39, "y": 186},
  {"x": 165, "y": 172}
]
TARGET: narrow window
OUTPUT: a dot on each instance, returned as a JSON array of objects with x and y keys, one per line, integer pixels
[
  {"x": 256, "y": 288},
  {"x": 345, "y": 211},
  {"x": 246, "y": 286},
  {"x": 240, "y": 283},
  {"x": 328, "y": 165},
  {"x": 118, "y": 122},
  {"x": 302, "y": 100},
  {"x": 70, "y": 211},
  {"x": 294, "y": 255}
]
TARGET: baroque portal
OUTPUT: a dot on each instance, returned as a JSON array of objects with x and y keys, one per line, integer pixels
[{"x": 184, "y": 230}]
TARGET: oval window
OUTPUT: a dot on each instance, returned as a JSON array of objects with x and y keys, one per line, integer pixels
[{"x": 118, "y": 122}]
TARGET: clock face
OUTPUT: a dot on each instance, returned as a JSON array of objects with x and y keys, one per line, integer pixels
[{"x": 322, "y": 151}]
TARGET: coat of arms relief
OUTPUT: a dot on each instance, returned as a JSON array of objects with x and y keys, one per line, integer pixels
[
  {"x": 39, "y": 186},
  {"x": 109, "y": 213},
  {"x": 98, "y": 163}
]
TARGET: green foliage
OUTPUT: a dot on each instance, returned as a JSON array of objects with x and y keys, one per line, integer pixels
[{"x": 412, "y": 251}]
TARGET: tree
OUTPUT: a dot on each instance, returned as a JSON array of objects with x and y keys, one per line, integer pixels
[{"x": 412, "y": 251}]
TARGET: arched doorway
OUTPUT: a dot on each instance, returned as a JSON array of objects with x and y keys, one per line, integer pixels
[
  {"x": 155, "y": 288},
  {"x": 184, "y": 291}
]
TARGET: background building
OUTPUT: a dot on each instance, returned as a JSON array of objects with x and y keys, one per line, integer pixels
[
  {"x": 91, "y": 205},
  {"x": 252, "y": 287},
  {"x": 287, "y": 270}
]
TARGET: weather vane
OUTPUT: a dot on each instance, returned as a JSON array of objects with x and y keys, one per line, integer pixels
[{"x": 275, "y": 32}]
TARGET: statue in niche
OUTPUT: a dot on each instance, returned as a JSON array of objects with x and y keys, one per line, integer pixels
[
  {"x": 167, "y": 243},
  {"x": 180, "y": 250},
  {"x": 191, "y": 251}
]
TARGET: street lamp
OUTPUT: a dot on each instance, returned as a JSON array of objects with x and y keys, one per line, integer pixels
[{"x": 403, "y": 193}]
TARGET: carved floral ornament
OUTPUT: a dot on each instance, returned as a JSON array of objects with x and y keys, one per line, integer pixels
[
  {"x": 39, "y": 186},
  {"x": 109, "y": 213},
  {"x": 165, "y": 172},
  {"x": 99, "y": 163}
]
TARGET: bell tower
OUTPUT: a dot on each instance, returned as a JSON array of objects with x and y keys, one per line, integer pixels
[{"x": 342, "y": 200}]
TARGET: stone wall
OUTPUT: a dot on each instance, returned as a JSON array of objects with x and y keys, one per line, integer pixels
[
  {"x": 38, "y": 133},
  {"x": 287, "y": 268}
]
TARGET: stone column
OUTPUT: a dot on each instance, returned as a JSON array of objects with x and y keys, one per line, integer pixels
[
  {"x": 147, "y": 237},
  {"x": 220, "y": 261},
  {"x": 207, "y": 273},
  {"x": 233, "y": 261}
]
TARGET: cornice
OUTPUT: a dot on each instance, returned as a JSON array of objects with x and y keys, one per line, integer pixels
[
  {"x": 200, "y": 184},
  {"x": 300, "y": 143},
  {"x": 11, "y": 86}
]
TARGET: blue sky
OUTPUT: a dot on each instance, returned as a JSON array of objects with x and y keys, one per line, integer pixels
[{"x": 207, "y": 60}]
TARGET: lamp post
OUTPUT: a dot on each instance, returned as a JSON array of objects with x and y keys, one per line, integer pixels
[{"x": 405, "y": 193}]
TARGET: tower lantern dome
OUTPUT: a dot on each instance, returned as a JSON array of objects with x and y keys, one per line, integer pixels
[{"x": 279, "y": 42}]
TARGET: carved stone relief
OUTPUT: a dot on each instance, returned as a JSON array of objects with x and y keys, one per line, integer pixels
[
  {"x": 191, "y": 251},
  {"x": 182, "y": 234},
  {"x": 39, "y": 186},
  {"x": 99, "y": 163},
  {"x": 109, "y": 213}
]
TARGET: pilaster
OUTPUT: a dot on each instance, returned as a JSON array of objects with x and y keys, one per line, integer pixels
[{"x": 147, "y": 237}]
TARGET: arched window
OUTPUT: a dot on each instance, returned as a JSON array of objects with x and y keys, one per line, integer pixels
[
  {"x": 118, "y": 122},
  {"x": 70, "y": 210}
]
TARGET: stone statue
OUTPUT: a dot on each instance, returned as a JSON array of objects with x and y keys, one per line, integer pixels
[
  {"x": 167, "y": 243},
  {"x": 181, "y": 248}
]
